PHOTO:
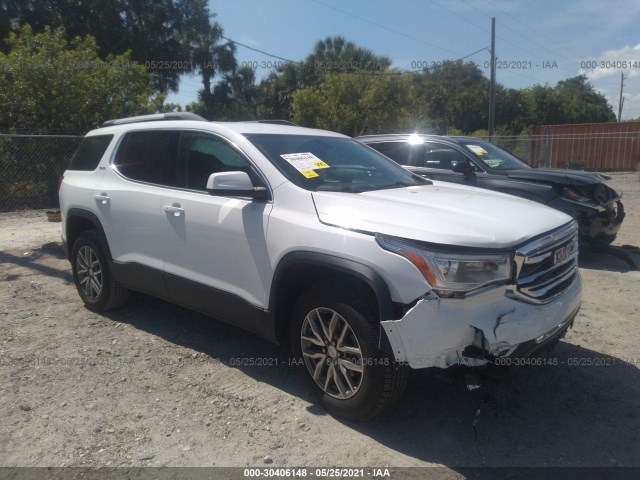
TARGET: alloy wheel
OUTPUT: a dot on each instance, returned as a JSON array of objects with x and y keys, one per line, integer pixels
[
  {"x": 89, "y": 272},
  {"x": 332, "y": 353}
]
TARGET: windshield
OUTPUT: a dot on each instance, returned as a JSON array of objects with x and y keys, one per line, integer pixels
[
  {"x": 494, "y": 157},
  {"x": 332, "y": 164}
]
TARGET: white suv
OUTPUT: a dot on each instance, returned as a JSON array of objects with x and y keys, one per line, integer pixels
[{"x": 309, "y": 237}]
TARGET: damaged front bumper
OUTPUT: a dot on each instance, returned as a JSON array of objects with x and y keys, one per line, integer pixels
[
  {"x": 471, "y": 331},
  {"x": 597, "y": 221}
]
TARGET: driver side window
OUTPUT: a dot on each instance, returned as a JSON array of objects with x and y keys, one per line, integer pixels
[
  {"x": 202, "y": 154},
  {"x": 442, "y": 156}
]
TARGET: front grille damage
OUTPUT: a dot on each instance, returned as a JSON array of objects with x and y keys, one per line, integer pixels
[{"x": 548, "y": 266}]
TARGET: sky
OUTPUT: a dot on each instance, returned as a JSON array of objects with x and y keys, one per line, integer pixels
[{"x": 537, "y": 41}]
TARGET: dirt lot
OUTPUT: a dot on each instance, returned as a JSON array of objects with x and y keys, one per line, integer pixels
[{"x": 154, "y": 384}]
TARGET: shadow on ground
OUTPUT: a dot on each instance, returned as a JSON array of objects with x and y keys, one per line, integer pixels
[
  {"x": 612, "y": 258},
  {"x": 31, "y": 259},
  {"x": 579, "y": 407}
]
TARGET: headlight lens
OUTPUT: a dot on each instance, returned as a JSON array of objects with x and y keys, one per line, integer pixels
[
  {"x": 575, "y": 195},
  {"x": 449, "y": 273}
]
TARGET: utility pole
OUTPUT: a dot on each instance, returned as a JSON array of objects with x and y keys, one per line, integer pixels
[
  {"x": 492, "y": 87},
  {"x": 621, "y": 101}
]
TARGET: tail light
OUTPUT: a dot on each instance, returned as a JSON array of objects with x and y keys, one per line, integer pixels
[{"x": 60, "y": 182}]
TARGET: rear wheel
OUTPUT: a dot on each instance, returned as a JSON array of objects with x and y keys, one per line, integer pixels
[
  {"x": 335, "y": 335},
  {"x": 94, "y": 282}
]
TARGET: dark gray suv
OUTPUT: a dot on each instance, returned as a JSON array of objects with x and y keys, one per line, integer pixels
[{"x": 475, "y": 162}]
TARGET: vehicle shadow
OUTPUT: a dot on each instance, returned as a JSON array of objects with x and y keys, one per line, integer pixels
[
  {"x": 581, "y": 408},
  {"x": 31, "y": 259},
  {"x": 612, "y": 258}
]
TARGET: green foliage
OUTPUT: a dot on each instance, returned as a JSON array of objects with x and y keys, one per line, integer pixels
[
  {"x": 333, "y": 55},
  {"x": 571, "y": 101},
  {"x": 453, "y": 94},
  {"x": 580, "y": 103},
  {"x": 49, "y": 84},
  {"x": 355, "y": 103},
  {"x": 482, "y": 132},
  {"x": 168, "y": 37},
  {"x": 233, "y": 98}
]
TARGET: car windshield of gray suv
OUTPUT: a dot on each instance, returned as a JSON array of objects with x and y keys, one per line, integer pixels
[
  {"x": 494, "y": 157},
  {"x": 332, "y": 164}
]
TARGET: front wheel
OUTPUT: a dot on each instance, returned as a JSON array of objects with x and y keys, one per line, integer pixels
[{"x": 335, "y": 334}]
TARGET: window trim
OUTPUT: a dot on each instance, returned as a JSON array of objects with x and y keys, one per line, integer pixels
[{"x": 123, "y": 136}]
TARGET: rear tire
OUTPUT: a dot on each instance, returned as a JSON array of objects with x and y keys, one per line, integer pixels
[
  {"x": 335, "y": 335},
  {"x": 97, "y": 288}
]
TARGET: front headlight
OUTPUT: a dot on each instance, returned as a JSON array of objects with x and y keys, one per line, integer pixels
[
  {"x": 575, "y": 195},
  {"x": 450, "y": 273}
]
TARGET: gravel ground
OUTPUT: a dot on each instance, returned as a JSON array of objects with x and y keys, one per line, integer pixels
[{"x": 157, "y": 385}]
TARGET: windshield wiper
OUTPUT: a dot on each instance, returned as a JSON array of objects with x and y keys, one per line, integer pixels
[{"x": 392, "y": 185}]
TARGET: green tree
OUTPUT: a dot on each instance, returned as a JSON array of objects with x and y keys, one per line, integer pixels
[
  {"x": 331, "y": 55},
  {"x": 169, "y": 37},
  {"x": 49, "y": 84},
  {"x": 453, "y": 95},
  {"x": 233, "y": 98},
  {"x": 580, "y": 103},
  {"x": 356, "y": 103}
]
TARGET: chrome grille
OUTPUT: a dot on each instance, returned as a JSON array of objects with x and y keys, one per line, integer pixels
[{"x": 548, "y": 266}]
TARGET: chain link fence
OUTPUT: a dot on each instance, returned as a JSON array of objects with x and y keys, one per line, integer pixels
[{"x": 30, "y": 166}]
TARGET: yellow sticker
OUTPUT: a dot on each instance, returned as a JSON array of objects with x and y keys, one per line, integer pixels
[
  {"x": 305, "y": 163},
  {"x": 477, "y": 149}
]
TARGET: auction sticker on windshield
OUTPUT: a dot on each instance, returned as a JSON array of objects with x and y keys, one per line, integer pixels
[
  {"x": 305, "y": 163},
  {"x": 477, "y": 149}
]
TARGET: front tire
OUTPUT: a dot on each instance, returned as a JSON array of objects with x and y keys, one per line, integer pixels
[
  {"x": 97, "y": 288},
  {"x": 335, "y": 335}
]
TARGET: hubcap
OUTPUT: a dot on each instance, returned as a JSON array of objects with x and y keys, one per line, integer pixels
[
  {"x": 89, "y": 272},
  {"x": 332, "y": 353}
]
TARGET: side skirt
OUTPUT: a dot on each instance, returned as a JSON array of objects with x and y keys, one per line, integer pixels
[{"x": 204, "y": 299}]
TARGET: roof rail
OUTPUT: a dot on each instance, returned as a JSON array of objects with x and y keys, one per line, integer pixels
[
  {"x": 155, "y": 117},
  {"x": 276, "y": 122}
]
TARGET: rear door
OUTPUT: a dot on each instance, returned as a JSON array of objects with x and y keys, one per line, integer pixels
[{"x": 129, "y": 204}]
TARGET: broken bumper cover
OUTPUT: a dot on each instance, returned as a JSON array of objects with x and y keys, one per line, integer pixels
[{"x": 440, "y": 332}]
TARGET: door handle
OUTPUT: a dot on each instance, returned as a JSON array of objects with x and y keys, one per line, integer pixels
[
  {"x": 177, "y": 210},
  {"x": 103, "y": 198}
]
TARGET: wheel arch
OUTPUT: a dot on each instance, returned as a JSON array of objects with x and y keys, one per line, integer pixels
[
  {"x": 296, "y": 271},
  {"x": 78, "y": 220}
]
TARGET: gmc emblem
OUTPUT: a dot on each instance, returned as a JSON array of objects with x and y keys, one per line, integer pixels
[{"x": 564, "y": 253}]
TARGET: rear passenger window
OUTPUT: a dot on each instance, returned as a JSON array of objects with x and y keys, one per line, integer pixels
[
  {"x": 202, "y": 154},
  {"x": 90, "y": 152},
  {"x": 149, "y": 156}
]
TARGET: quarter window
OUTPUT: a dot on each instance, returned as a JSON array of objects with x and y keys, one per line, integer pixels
[{"x": 90, "y": 152}]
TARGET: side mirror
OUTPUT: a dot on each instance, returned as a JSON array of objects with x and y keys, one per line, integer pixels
[
  {"x": 234, "y": 184},
  {"x": 463, "y": 167}
]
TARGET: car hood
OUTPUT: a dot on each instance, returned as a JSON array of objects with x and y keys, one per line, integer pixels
[
  {"x": 441, "y": 213},
  {"x": 557, "y": 176}
]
